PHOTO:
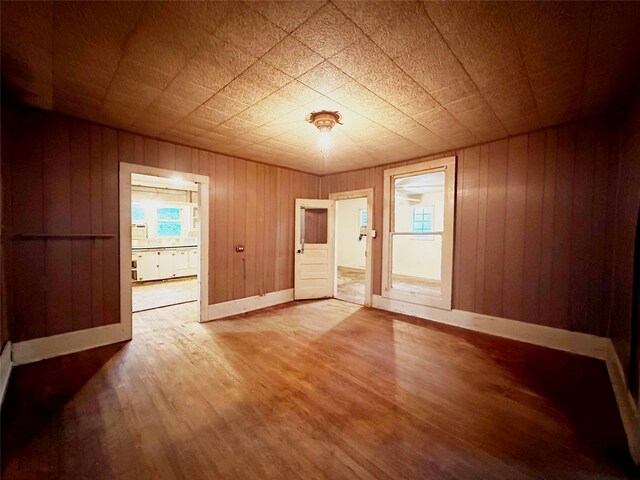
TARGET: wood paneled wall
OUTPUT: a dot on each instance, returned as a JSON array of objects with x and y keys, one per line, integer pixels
[
  {"x": 62, "y": 177},
  {"x": 533, "y": 224},
  {"x": 626, "y": 218}
]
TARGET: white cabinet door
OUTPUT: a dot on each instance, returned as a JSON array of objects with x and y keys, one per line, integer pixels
[
  {"x": 182, "y": 260},
  {"x": 193, "y": 259},
  {"x": 167, "y": 264},
  {"x": 147, "y": 263}
]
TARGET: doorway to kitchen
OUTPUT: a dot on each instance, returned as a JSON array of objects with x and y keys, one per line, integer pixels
[
  {"x": 163, "y": 245},
  {"x": 164, "y": 242}
]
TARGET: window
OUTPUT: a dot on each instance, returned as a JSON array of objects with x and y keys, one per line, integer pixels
[
  {"x": 137, "y": 213},
  {"x": 422, "y": 219},
  {"x": 363, "y": 218},
  {"x": 419, "y": 204},
  {"x": 169, "y": 221}
]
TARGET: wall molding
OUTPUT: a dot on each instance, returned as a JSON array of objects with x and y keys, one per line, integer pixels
[
  {"x": 248, "y": 304},
  {"x": 42, "y": 348},
  {"x": 557, "y": 338},
  {"x": 626, "y": 404},
  {"x": 5, "y": 370}
]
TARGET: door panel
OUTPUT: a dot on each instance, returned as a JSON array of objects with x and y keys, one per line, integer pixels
[{"x": 314, "y": 246}]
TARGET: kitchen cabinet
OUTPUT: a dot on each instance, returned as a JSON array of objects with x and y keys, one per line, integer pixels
[{"x": 163, "y": 263}]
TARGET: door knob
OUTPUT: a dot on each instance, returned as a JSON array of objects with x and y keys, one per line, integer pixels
[{"x": 299, "y": 251}]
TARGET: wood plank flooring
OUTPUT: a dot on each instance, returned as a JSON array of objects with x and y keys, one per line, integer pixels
[
  {"x": 351, "y": 285},
  {"x": 314, "y": 390},
  {"x": 163, "y": 293}
]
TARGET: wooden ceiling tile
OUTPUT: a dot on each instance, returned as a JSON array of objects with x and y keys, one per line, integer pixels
[
  {"x": 324, "y": 78},
  {"x": 27, "y": 60},
  {"x": 140, "y": 73},
  {"x": 367, "y": 15},
  {"x": 130, "y": 92},
  {"x": 225, "y": 104},
  {"x": 287, "y": 15},
  {"x": 173, "y": 106},
  {"x": 474, "y": 113},
  {"x": 442, "y": 123},
  {"x": 107, "y": 24},
  {"x": 328, "y": 31},
  {"x": 298, "y": 93},
  {"x": 255, "y": 83},
  {"x": 482, "y": 37},
  {"x": 181, "y": 87},
  {"x": 249, "y": 30},
  {"x": 553, "y": 39},
  {"x": 269, "y": 109},
  {"x": 404, "y": 29},
  {"x": 198, "y": 120},
  {"x": 397, "y": 88},
  {"x": 435, "y": 68},
  {"x": 226, "y": 75},
  {"x": 292, "y": 57}
]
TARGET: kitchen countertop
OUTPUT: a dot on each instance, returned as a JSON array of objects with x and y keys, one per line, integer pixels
[{"x": 161, "y": 247}]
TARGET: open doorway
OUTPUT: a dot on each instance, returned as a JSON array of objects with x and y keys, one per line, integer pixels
[
  {"x": 353, "y": 245},
  {"x": 163, "y": 244}
]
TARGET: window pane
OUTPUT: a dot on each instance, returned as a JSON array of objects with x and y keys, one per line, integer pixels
[
  {"x": 168, "y": 213},
  {"x": 137, "y": 213},
  {"x": 417, "y": 264},
  {"x": 363, "y": 218},
  {"x": 315, "y": 225},
  {"x": 169, "y": 229},
  {"x": 419, "y": 203}
]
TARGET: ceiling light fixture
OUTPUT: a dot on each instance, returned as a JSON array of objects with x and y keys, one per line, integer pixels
[{"x": 324, "y": 121}]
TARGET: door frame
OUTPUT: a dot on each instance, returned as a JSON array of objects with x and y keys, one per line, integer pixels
[
  {"x": 368, "y": 270},
  {"x": 125, "y": 171},
  {"x": 447, "y": 164}
]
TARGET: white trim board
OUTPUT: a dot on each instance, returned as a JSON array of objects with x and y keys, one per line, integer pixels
[
  {"x": 5, "y": 370},
  {"x": 248, "y": 304},
  {"x": 574, "y": 342},
  {"x": 626, "y": 404},
  {"x": 56, "y": 345}
]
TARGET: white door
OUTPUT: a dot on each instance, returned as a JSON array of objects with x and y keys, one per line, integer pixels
[{"x": 314, "y": 246}]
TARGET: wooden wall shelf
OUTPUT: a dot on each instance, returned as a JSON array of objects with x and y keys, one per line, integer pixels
[{"x": 62, "y": 236}]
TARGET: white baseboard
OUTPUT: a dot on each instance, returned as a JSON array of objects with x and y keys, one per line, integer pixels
[
  {"x": 5, "y": 370},
  {"x": 47, "y": 347},
  {"x": 559, "y": 339},
  {"x": 243, "y": 305},
  {"x": 626, "y": 404}
]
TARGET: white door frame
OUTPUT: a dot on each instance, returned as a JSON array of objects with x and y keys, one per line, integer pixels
[
  {"x": 448, "y": 165},
  {"x": 368, "y": 272},
  {"x": 126, "y": 169}
]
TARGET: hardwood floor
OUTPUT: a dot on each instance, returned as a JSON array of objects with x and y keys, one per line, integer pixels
[
  {"x": 317, "y": 389},
  {"x": 418, "y": 285},
  {"x": 150, "y": 295},
  {"x": 351, "y": 285}
]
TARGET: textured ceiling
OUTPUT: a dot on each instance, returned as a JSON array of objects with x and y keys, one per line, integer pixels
[{"x": 409, "y": 78}]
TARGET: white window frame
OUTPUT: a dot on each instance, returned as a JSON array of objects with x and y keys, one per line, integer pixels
[{"x": 447, "y": 165}]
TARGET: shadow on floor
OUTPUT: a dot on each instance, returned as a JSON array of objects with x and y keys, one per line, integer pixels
[{"x": 39, "y": 391}]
